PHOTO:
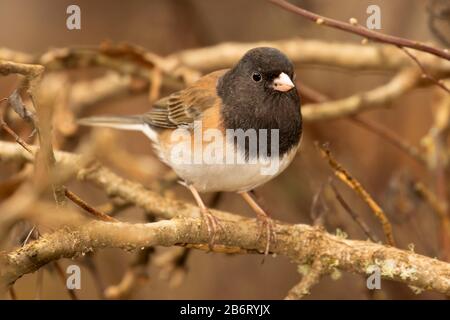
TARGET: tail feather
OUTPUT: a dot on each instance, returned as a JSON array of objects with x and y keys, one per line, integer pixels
[
  {"x": 134, "y": 123},
  {"x": 117, "y": 122}
]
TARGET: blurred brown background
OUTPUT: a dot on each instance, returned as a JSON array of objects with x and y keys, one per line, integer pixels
[{"x": 167, "y": 26}]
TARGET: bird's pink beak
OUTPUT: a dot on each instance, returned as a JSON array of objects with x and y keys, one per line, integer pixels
[{"x": 283, "y": 83}]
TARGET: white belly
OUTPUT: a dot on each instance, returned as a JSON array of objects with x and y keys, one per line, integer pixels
[
  {"x": 230, "y": 177},
  {"x": 221, "y": 175}
]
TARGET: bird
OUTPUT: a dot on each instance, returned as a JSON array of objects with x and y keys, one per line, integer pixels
[{"x": 215, "y": 132}]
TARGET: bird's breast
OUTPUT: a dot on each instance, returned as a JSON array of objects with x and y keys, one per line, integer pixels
[{"x": 219, "y": 165}]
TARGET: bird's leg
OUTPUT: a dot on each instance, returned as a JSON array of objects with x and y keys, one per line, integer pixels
[
  {"x": 210, "y": 220},
  {"x": 262, "y": 216}
]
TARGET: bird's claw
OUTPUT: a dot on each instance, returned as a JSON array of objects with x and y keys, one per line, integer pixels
[
  {"x": 267, "y": 227},
  {"x": 212, "y": 224}
]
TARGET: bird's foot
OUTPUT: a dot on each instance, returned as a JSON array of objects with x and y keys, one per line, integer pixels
[
  {"x": 212, "y": 224},
  {"x": 267, "y": 229}
]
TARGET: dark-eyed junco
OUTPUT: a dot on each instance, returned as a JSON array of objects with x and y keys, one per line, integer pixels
[{"x": 232, "y": 130}]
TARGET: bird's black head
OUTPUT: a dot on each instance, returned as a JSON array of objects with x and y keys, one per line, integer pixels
[
  {"x": 259, "y": 93},
  {"x": 263, "y": 72}
]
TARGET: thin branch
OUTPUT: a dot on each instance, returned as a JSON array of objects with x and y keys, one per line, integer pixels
[
  {"x": 345, "y": 177},
  {"x": 11, "y": 132},
  {"x": 425, "y": 73},
  {"x": 353, "y": 214},
  {"x": 362, "y": 31},
  {"x": 310, "y": 279},
  {"x": 91, "y": 210}
]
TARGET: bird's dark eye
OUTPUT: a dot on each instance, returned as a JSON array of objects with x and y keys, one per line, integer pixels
[{"x": 256, "y": 76}]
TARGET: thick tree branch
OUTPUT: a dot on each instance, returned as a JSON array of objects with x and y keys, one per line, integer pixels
[
  {"x": 359, "y": 102},
  {"x": 300, "y": 243},
  {"x": 300, "y": 51}
]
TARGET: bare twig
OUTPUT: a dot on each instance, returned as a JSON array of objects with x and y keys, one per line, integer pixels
[
  {"x": 303, "y": 288},
  {"x": 425, "y": 73},
  {"x": 345, "y": 177},
  {"x": 362, "y": 31},
  {"x": 91, "y": 210},
  {"x": 353, "y": 214}
]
